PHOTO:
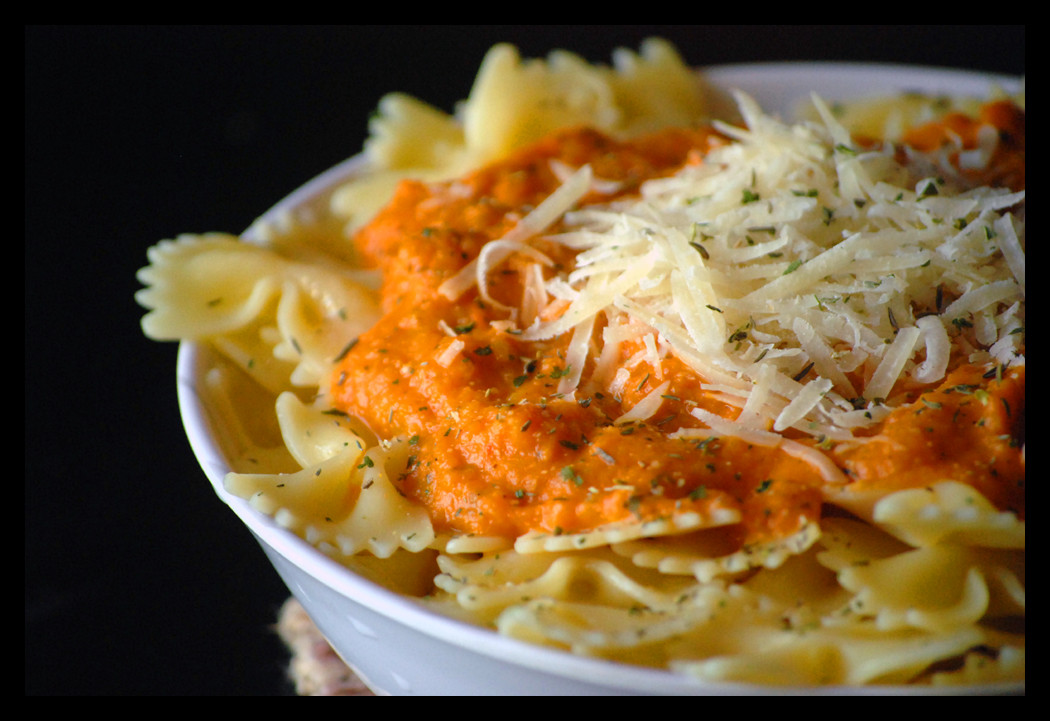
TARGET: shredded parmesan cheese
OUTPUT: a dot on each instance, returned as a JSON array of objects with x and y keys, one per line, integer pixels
[
  {"x": 807, "y": 278},
  {"x": 450, "y": 352},
  {"x": 645, "y": 409},
  {"x": 537, "y": 221}
]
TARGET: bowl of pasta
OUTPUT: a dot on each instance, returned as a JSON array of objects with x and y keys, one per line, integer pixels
[{"x": 679, "y": 385}]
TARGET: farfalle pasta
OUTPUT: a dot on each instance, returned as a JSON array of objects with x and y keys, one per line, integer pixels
[
  {"x": 580, "y": 364},
  {"x": 642, "y": 91}
]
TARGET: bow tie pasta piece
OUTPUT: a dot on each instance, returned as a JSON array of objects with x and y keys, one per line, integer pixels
[
  {"x": 214, "y": 285},
  {"x": 204, "y": 286},
  {"x": 715, "y": 553},
  {"x": 669, "y": 526},
  {"x": 771, "y": 655},
  {"x": 949, "y": 512},
  {"x": 342, "y": 500},
  {"x": 934, "y": 588}
]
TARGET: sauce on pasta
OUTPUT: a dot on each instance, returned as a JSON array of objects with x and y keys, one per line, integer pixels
[{"x": 497, "y": 452}]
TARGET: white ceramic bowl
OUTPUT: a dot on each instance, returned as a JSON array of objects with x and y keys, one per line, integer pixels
[{"x": 399, "y": 647}]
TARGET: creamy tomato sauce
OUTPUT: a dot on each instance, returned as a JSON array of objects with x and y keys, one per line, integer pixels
[
  {"x": 497, "y": 452},
  {"x": 1006, "y": 167}
]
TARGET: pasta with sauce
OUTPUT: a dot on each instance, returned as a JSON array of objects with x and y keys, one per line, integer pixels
[{"x": 741, "y": 401}]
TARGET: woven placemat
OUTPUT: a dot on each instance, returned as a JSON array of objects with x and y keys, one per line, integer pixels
[{"x": 314, "y": 668}]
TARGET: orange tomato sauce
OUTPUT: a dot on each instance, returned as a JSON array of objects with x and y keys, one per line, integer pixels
[
  {"x": 496, "y": 451},
  {"x": 959, "y": 130}
]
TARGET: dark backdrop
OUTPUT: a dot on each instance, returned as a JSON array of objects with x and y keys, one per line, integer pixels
[{"x": 138, "y": 581}]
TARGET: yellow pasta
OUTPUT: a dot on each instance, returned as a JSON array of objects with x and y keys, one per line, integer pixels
[
  {"x": 915, "y": 583},
  {"x": 642, "y": 91}
]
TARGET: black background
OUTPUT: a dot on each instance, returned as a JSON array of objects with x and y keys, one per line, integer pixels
[{"x": 138, "y": 581}]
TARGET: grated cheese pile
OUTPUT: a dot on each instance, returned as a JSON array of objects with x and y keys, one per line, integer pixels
[{"x": 804, "y": 279}]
